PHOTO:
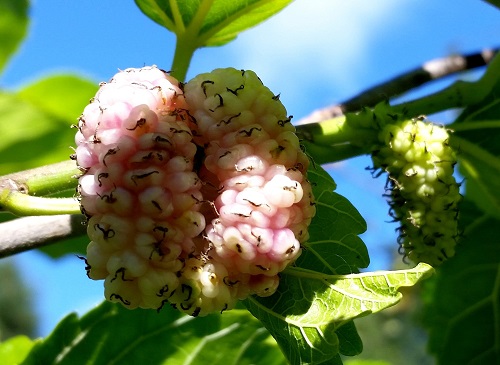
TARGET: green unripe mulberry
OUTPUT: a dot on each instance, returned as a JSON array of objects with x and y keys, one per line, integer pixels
[{"x": 422, "y": 191}]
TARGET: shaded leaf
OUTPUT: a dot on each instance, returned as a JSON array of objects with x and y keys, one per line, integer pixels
[
  {"x": 13, "y": 27},
  {"x": 463, "y": 314},
  {"x": 15, "y": 349},
  {"x": 481, "y": 170},
  {"x": 349, "y": 340},
  {"x": 494, "y": 3},
  {"x": 334, "y": 246},
  {"x": 476, "y": 138},
  {"x": 17, "y": 310},
  {"x": 76, "y": 245},
  {"x": 112, "y": 334},
  {"x": 309, "y": 307},
  {"x": 210, "y": 22},
  {"x": 320, "y": 179}
]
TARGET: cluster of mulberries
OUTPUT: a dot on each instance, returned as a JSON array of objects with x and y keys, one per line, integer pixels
[
  {"x": 424, "y": 194},
  {"x": 158, "y": 162}
]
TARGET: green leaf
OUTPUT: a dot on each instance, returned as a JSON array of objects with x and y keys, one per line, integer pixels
[
  {"x": 309, "y": 307},
  {"x": 311, "y": 314},
  {"x": 77, "y": 245},
  {"x": 30, "y": 137},
  {"x": 36, "y": 125},
  {"x": 13, "y": 27},
  {"x": 36, "y": 122},
  {"x": 349, "y": 341},
  {"x": 227, "y": 18},
  {"x": 463, "y": 314},
  {"x": 112, "y": 334},
  {"x": 201, "y": 23},
  {"x": 481, "y": 170},
  {"x": 476, "y": 135},
  {"x": 210, "y": 22},
  {"x": 320, "y": 180},
  {"x": 15, "y": 349},
  {"x": 365, "y": 362},
  {"x": 494, "y": 3},
  {"x": 62, "y": 96},
  {"x": 333, "y": 246}
]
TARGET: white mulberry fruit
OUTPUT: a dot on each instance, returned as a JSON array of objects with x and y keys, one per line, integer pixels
[{"x": 424, "y": 195}]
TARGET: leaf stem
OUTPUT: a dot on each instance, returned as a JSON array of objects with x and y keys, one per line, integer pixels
[
  {"x": 42, "y": 181},
  {"x": 335, "y": 140},
  {"x": 21, "y": 193},
  {"x": 331, "y": 154},
  {"x": 187, "y": 38},
  {"x": 184, "y": 50},
  {"x": 176, "y": 14},
  {"x": 23, "y": 205},
  {"x": 200, "y": 16}
]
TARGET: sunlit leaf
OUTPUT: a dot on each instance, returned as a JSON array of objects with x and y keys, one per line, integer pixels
[
  {"x": 311, "y": 314},
  {"x": 13, "y": 27},
  {"x": 463, "y": 314},
  {"x": 15, "y": 349},
  {"x": 210, "y": 22},
  {"x": 227, "y": 18},
  {"x": 112, "y": 334},
  {"x": 309, "y": 307}
]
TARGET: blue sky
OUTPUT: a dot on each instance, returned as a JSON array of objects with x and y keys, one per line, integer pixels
[{"x": 315, "y": 53}]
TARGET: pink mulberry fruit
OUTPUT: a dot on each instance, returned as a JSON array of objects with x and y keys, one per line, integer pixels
[
  {"x": 139, "y": 188},
  {"x": 264, "y": 203}
]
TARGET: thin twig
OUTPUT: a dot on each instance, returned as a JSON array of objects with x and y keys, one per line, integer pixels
[
  {"x": 429, "y": 71},
  {"x": 28, "y": 233}
]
